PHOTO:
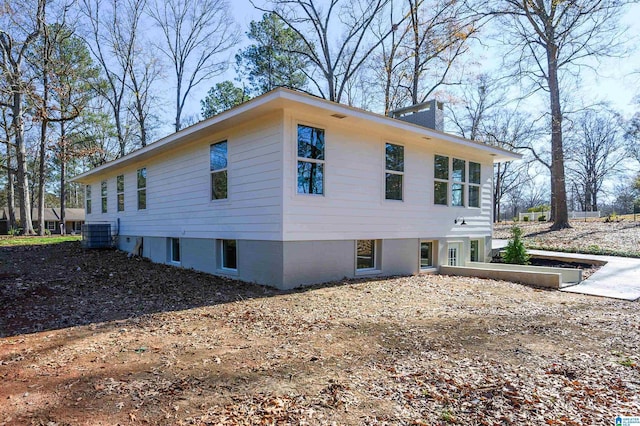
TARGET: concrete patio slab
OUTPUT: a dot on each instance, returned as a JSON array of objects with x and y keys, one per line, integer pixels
[{"x": 618, "y": 278}]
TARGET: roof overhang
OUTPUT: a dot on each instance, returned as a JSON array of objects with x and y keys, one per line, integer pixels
[{"x": 279, "y": 99}]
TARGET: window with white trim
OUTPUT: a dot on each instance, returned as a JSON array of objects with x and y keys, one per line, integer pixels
[
  {"x": 454, "y": 184},
  {"x": 311, "y": 160},
  {"x": 142, "y": 188},
  {"x": 474, "y": 250},
  {"x": 474, "y": 184},
  {"x": 366, "y": 255},
  {"x": 174, "y": 250},
  {"x": 51, "y": 226},
  {"x": 103, "y": 193},
  {"x": 393, "y": 171},
  {"x": 441, "y": 180},
  {"x": 453, "y": 253},
  {"x": 458, "y": 178},
  {"x": 87, "y": 198},
  {"x": 120, "y": 192},
  {"x": 229, "y": 250},
  {"x": 426, "y": 254},
  {"x": 218, "y": 159}
]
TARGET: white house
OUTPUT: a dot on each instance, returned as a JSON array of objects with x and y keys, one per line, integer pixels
[{"x": 289, "y": 189}]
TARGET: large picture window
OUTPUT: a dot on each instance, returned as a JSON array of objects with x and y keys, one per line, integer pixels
[
  {"x": 142, "y": 188},
  {"x": 310, "y": 160},
  {"x": 88, "y": 198},
  {"x": 464, "y": 183},
  {"x": 103, "y": 194},
  {"x": 394, "y": 171},
  {"x": 120, "y": 192}
]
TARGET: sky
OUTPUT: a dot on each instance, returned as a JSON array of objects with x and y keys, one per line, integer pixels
[{"x": 615, "y": 81}]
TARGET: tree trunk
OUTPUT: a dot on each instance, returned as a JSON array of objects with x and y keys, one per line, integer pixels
[
  {"x": 11, "y": 206},
  {"x": 43, "y": 136},
  {"x": 21, "y": 159},
  {"x": 416, "y": 52},
  {"x": 63, "y": 163},
  {"x": 558, "y": 185},
  {"x": 41, "y": 177}
]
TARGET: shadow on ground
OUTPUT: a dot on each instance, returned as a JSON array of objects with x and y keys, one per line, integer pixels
[{"x": 48, "y": 287}]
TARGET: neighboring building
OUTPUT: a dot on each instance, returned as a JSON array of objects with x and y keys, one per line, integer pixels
[
  {"x": 74, "y": 218},
  {"x": 289, "y": 189}
]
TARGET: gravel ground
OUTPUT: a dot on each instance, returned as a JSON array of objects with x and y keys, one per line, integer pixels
[
  {"x": 622, "y": 238},
  {"x": 95, "y": 338}
]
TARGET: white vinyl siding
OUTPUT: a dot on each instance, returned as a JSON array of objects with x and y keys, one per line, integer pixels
[
  {"x": 354, "y": 205},
  {"x": 178, "y": 188}
]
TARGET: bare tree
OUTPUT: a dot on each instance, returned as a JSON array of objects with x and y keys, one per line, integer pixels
[
  {"x": 439, "y": 31},
  {"x": 113, "y": 37},
  {"x": 8, "y": 166},
  {"x": 549, "y": 40},
  {"x": 632, "y": 135},
  {"x": 25, "y": 26},
  {"x": 316, "y": 24},
  {"x": 144, "y": 71},
  {"x": 196, "y": 33},
  {"x": 594, "y": 153},
  {"x": 485, "y": 116},
  {"x": 388, "y": 77}
]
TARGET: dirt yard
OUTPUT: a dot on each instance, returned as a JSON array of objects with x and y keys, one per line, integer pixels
[{"x": 95, "y": 338}]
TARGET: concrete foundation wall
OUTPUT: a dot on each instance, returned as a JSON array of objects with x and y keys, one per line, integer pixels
[
  {"x": 260, "y": 262},
  {"x": 401, "y": 256},
  {"x": 198, "y": 254},
  {"x": 311, "y": 262},
  {"x": 568, "y": 275},
  {"x": 537, "y": 279},
  {"x": 290, "y": 264},
  {"x": 155, "y": 248}
]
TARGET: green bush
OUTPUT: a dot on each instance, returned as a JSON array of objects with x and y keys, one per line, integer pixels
[
  {"x": 542, "y": 218},
  {"x": 14, "y": 231},
  {"x": 525, "y": 218},
  {"x": 515, "y": 252}
]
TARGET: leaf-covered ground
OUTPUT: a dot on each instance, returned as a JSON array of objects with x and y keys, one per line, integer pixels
[
  {"x": 95, "y": 338},
  {"x": 594, "y": 236}
]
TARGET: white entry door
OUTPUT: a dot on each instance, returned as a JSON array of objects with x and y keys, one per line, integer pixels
[{"x": 454, "y": 253}]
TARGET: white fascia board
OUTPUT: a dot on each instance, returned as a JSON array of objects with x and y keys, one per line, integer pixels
[
  {"x": 279, "y": 98},
  {"x": 499, "y": 154},
  {"x": 179, "y": 137}
]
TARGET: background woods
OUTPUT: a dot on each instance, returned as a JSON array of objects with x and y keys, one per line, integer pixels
[{"x": 83, "y": 82}]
